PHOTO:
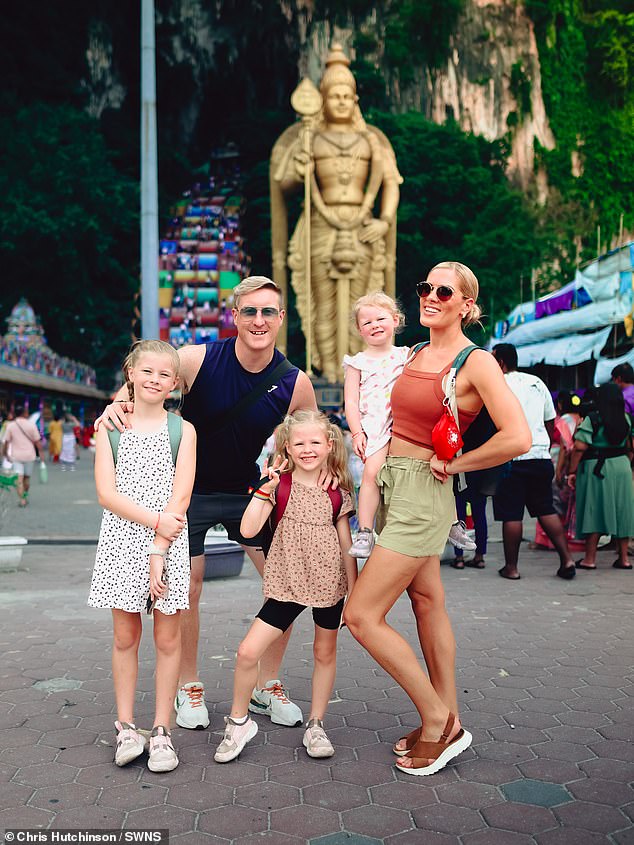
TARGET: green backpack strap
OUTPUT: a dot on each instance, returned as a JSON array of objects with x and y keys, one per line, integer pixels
[
  {"x": 462, "y": 356},
  {"x": 174, "y": 430},
  {"x": 114, "y": 437},
  {"x": 418, "y": 347}
]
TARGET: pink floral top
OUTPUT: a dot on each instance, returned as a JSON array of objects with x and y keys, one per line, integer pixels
[
  {"x": 375, "y": 390},
  {"x": 304, "y": 563}
]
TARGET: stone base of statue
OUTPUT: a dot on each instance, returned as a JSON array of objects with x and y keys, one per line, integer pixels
[{"x": 329, "y": 395}]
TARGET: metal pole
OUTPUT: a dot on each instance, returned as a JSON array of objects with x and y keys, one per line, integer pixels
[
  {"x": 307, "y": 210},
  {"x": 149, "y": 177}
]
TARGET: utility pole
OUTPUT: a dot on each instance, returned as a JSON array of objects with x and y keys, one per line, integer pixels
[{"x": 149, "y": 177}]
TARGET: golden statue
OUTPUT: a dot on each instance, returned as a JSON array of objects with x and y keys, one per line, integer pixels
[{"x": 340, "y": 250}]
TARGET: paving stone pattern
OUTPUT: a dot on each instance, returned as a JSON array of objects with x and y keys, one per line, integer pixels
[{"x": 546, "y": 685}]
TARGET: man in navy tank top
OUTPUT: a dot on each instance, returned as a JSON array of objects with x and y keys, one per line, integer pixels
[{"x": 215, "y": 377}]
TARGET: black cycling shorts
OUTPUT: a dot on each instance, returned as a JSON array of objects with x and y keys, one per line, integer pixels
[{"x": 282, "y": 614}]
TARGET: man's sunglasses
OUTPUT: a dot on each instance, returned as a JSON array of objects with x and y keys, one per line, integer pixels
[
  {"x": 443, "y": 292},
  {"x": 249, "y": 312}
]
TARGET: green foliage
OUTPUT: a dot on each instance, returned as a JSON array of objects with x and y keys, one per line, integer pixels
[
  {"x": 587, "y": 55},
  {"x": 521, "y": 88},
  {"x": 456, "y": 204},
  {"x": 610, "y": 36},
  {"x": 406, "y": 36},
  {"x": 68, "y": 232},
  {"x": 418, "y": 32}
]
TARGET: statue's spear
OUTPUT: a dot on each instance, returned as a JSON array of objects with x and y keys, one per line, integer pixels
[{"x": 306, "y": 102}]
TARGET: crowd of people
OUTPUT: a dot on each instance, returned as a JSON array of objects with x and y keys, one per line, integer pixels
[
  {"x": 444, "y": 418},
  {"x": 22, "y": 444},
  {"x": 41, "y": 359}
]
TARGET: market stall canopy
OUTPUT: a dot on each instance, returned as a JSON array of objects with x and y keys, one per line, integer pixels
[
  {"x": 606, "y": 365},
  {"x": 564, "y": 351},
  {"x": 596, "y": 315}
]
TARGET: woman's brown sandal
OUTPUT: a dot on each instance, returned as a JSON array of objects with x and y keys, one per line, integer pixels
[
  {"x": 410, "y": 741},
  {"x": 440, "y": 753}
]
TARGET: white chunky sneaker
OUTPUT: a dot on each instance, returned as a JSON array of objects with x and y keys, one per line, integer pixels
[
  {"x": 363, "y": 543},
  {"x": 235, "y": 738},
  {"x": 130, "y": 743},
  {"x": 162, "y": 757},
  {"x": 458, "y": 537},
  {"x": 273, "y": 701},
  {"x": 191, "y": 711},
  {"x": 316, "y": 741}
]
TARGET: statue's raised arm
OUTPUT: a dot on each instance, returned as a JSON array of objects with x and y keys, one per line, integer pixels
[{"x": 354, "y": 195}]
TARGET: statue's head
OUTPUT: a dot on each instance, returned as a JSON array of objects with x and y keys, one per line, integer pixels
[
  {"x": 337, "y": 71},
  {"x": 339, "y": 90}
]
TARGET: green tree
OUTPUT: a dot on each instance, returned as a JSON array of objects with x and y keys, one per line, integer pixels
[
  {"x": 68, "y": 232},
  {"x": 456, "y": 204}
]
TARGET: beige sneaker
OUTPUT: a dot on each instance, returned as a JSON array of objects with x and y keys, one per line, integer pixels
[
  {"x": 130, "y": 743},
  {"x": 235, "y": 738},
  {"x": 163, "y": 758},
  {"x": 459, "y": 538},
  {"x": 316, "y": 741},
  {"x": 363, "y": 544}
]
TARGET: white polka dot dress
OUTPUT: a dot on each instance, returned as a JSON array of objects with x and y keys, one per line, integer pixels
[{"x": 121, "y": 577}]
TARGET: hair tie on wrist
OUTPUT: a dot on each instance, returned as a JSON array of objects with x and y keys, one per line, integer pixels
[
  {"x": 158, "y": 519},
  {"x": 358, "y": 434}
]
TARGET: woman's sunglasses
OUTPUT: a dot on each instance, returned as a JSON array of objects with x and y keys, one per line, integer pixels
[{"x": 443, "y": 292}]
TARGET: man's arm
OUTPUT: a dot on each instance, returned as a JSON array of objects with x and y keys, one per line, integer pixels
[
  {"x": 115, "y": 415},
  {"x": 191, "y": 358},
  {"x": 303, "y": 397}
]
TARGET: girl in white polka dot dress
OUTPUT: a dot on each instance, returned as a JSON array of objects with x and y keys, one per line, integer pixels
[{"x": 143, "y": 553}]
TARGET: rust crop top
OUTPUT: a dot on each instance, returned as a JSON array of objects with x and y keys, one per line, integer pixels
[{"x": 417, "y": 406}]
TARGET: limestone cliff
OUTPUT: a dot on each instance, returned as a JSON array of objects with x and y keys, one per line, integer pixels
[{"x": 489, "y": 82}]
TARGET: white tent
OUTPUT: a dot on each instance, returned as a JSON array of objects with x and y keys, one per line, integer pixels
[{"x": 579, "y": 331}]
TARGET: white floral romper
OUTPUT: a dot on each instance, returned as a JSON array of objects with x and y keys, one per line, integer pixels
[{"x": 375, "y": 391}]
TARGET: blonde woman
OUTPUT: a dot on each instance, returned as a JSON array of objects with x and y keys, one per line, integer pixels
[{"x": 420, "y": 508}]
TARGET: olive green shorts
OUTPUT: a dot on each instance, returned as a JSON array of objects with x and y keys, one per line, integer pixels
[{"x": 417, "y": 509}]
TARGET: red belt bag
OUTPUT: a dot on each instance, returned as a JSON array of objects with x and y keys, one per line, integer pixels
[{"x": 445, "y": 435}]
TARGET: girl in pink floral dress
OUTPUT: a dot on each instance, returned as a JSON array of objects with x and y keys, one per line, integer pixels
[{"x": 307, "y": 566}]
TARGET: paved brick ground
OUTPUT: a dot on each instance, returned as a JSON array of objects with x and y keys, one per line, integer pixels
[{"x": 546, "y": 684}]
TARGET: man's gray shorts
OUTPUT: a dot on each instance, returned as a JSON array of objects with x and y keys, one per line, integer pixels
[{"x": 209, "y": 509}]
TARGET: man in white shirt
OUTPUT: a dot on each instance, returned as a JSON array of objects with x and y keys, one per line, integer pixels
[{"x": 529, "y": 482}]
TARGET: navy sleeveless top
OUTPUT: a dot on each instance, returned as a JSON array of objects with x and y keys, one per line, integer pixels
[{"x": 226, "y": 457}]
